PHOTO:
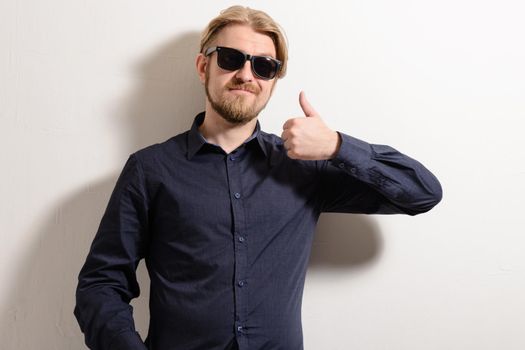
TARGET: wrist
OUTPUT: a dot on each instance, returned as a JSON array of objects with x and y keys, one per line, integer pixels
[{"x": 335, "y": 144}]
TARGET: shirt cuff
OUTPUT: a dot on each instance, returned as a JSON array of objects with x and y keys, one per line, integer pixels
[
  {"x": 128, "y": 340},
  {"x": 353, "y": 154}
]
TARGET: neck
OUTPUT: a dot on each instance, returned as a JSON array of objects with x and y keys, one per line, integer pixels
[{"x": 223, "y": 133}]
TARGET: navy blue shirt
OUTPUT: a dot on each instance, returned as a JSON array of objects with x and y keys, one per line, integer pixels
[{"x": 226, "y": 237}]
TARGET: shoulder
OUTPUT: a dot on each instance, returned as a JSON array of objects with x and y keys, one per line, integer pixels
[
  {"x": 272, "y": 141},
  {"x": 160, "y": 154},
  {"x": 276, "y": 151}
]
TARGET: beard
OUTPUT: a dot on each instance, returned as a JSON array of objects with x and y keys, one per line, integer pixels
[{"x": 235, "y": 109}]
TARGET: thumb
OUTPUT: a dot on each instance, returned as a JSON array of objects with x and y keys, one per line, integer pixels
[{"x": 307, "y": 108}]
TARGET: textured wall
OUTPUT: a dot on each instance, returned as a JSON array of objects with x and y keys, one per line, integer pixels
[{"x": 85, "y": 83}]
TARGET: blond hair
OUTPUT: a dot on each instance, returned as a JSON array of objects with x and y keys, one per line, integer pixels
[{"x": 258, "y": 21}]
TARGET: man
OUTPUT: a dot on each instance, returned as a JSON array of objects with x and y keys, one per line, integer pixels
[{"x": 224, "y": 214}]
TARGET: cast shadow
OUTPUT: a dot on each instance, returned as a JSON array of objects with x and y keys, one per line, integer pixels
[
  {"x": 343, "y": 242},
  {"x": 38, "y": 312}
]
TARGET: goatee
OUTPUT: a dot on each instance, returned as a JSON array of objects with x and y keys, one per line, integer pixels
[{"x": 235, "y": 109}]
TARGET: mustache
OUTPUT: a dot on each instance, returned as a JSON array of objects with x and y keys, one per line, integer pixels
[{"x": 253, "y": 88}]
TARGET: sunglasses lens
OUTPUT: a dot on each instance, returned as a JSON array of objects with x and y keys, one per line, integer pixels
[
  {"x": 230, "y": 59},
  {"x": 265, "y": 67}
]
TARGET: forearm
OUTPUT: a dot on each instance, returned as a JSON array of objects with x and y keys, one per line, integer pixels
[{"x": 404, "y": 182}]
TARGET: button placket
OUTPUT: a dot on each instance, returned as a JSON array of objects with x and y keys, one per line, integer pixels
[{"x": 239, "y": 240}]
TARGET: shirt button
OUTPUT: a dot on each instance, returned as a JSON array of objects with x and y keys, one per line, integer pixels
[
  {"x": 237, "y": 195},
  {"x": 241, "y": 239},
  {"x": 341, "y": 165},
  {"x": 232, "y": 158},
  {"x": 240, "y": 283},
  {"x": 353, "y": 170},
  {"x": 239, "y": 329}
]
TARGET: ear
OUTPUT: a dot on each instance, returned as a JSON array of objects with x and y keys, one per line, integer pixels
[{"x": 201, "y": 63}]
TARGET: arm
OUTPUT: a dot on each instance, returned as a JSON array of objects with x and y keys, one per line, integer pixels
[
  {"x": 107, "y": 281},
  {"x": 368, "y": 178},
  {"x": 357, "y": 177}
]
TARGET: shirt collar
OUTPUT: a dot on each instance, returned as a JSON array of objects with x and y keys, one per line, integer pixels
[{"x": 196, "y": 140}]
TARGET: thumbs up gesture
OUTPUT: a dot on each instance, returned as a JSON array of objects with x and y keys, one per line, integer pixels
[{"x": 308, "y": 137}]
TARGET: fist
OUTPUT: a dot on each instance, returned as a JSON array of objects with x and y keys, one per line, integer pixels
[{"x": 308, "y": 137}]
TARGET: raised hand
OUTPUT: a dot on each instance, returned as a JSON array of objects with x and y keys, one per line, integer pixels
[{"x": 308, "y": 137}]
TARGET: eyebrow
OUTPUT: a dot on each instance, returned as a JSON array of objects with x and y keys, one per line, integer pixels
[{"x": 266, "y": 54}]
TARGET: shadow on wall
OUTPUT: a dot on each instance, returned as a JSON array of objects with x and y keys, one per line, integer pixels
[
  {"x": 38, "y": 312},
  {"x": 167, "y": 96},
  {"x": 344, "y": 242}
]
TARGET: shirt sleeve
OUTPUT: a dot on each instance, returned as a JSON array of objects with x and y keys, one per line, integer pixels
[
  {"x": 376, "y": 179},
  {"x": 107, "y": 281}
]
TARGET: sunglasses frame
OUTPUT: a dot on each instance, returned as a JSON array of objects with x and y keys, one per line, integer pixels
[{"x": 247, "y": 57}]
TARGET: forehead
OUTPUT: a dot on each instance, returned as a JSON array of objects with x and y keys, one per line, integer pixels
[{"x": 244, "y": 38}]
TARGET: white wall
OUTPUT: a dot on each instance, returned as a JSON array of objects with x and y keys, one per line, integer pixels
[{"x": 85, "y": 83}]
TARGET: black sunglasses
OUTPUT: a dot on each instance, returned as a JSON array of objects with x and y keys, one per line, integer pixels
[{"x": 264, "y": 67}]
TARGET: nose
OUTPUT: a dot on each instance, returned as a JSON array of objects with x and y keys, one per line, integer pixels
[{"x": 245, "y": 72}]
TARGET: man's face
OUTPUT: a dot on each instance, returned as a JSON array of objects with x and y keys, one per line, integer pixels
[{"x": 238, "y": 96}]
